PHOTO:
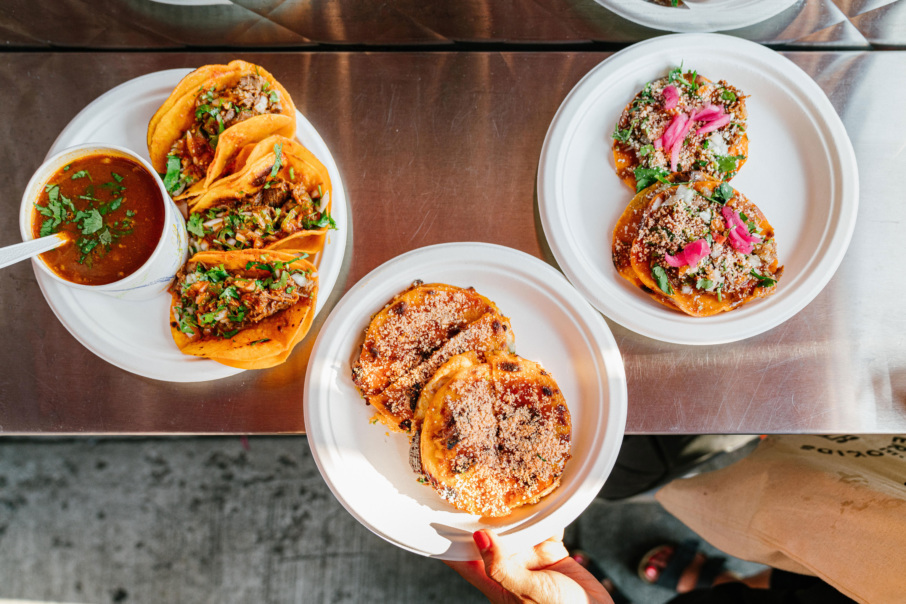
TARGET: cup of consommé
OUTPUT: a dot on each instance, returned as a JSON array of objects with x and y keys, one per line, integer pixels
[{"x": 127, "y": 238}]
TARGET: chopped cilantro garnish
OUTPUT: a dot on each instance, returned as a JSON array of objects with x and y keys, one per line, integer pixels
[
  {"x": 677, "y": 76},
  {"x": 113, "y": 205},
  {"x": 728, "y": 95},
  {"x": 281, "y": 282},
  {"x": 117, "y": 177},
  {"x": 704, "y": 283},
  {"x": 105, "y": 237},
  {"x": 172, "y": 180},
  {"x": 194, "y": 225},
  {"x": 660, "y": 277},
  {"x": 91, "y": 222},
  {"x": 645, "y": 177},
  {"x": 278, "y": 161},
  {"x": 763, "y": 281},
  {"x": 723, "y": 193},
  {"x": 216, "y": 274},
  {"x": 66, "y": 168},
  {"x": 53, "y": 192},
  {"x": 726, "y": 164},
  {"x": 621, "y": 135},
  {"x": 326, "y": 220},
  {"x": 646, "y": 150},
  {"x": 47, "y": 227},
  {"x": 81, "y": 174},
  {"x": 185, "y": 324},
  {"x": 238, "y": 315}
]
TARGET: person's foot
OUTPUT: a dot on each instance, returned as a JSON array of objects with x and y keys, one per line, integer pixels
[{"x": 682, "y": 568}]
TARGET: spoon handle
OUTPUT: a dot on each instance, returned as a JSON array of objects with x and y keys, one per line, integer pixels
[{"x": 20, "y": 251}]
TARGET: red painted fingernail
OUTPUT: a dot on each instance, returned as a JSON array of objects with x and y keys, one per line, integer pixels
[{"x": 481, "y": 540}]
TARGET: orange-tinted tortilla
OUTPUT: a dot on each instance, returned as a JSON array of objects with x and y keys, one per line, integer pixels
[
  {"x": 298, "y": 165},
  {"x": 281, "y": 331},
  {"x": 235, "y": 145},
  {"x": 175, "y": 117},
  {"x": 699, "y": 303},
  {"x": 623, "y": 236}
]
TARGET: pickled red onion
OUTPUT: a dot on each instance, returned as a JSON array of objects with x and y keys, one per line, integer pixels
[
  {"x": 674, "y": 155},
  {"x": 671, "y": 97},
  {"x": 738, "y": 233},
  {"x": 678, "y": 144},
  {"x": 691, "y": 254},
  {"x": 707, "y": 113},
  {"x": 679, "y": 120},
  {"x": 714, "y": 125}
]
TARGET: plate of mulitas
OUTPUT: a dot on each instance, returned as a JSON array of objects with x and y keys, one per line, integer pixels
[
  {"x": 698, "y": 188},
  {"x": 266, "y": 219},
  {"x": 697, "y": 15},
  {"x": 464, "y": 386}
]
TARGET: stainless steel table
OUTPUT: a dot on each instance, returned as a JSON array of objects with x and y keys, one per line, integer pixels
[
  {"x": 438, "y": 147},
  {"x": 155, "y": 24}
]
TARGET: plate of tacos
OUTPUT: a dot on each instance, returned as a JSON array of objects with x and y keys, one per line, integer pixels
[
  {"x": 698, "y": 188},
  {"x": 463, "y": 386},
  {"x": 266, "y": 215}
]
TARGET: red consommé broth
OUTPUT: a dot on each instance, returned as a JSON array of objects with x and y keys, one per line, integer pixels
[{"x": 113, "y": 212}]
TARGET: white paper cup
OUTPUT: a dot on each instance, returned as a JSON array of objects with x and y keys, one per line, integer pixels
[{"x": 155, "y": 275}]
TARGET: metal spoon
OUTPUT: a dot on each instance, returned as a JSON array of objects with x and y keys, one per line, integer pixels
[{"x": 20, "y": 251}]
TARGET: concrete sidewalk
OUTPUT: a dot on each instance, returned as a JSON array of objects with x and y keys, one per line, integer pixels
[{"x": 204, "y": 520}]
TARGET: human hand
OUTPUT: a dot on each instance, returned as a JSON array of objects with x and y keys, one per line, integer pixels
[{"x": 544, "y": 574}]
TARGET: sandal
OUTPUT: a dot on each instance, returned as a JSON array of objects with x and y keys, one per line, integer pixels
[
  {"x": 665, "y": 564},
  {"x": 589, "y": 564}
]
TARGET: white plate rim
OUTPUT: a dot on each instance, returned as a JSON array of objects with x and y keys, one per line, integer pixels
[
  {"x": 403, "y": 268},
  {"x": 74, "y": 317},
  {"x": 721, "y": 17},
  {"x": 653, "y": 324}
]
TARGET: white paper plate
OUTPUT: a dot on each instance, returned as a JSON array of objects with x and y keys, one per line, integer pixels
[
  {"x": 368, "y": 469},
  {"x": 698, "y": 15},
  {"x": 801, "y": 172},
  {"x": 135, "y": 336}
]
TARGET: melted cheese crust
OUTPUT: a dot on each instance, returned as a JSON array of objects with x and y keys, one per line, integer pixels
[
  {"x": 495, "y": 433},
  {"x": 413, "y": 335}
]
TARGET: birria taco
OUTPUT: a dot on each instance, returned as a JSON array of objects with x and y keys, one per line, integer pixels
[
  {"x": 280, "y": 200},
  {"x": 212, "y": 114},
  {"x": 245, "y": 309}
]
